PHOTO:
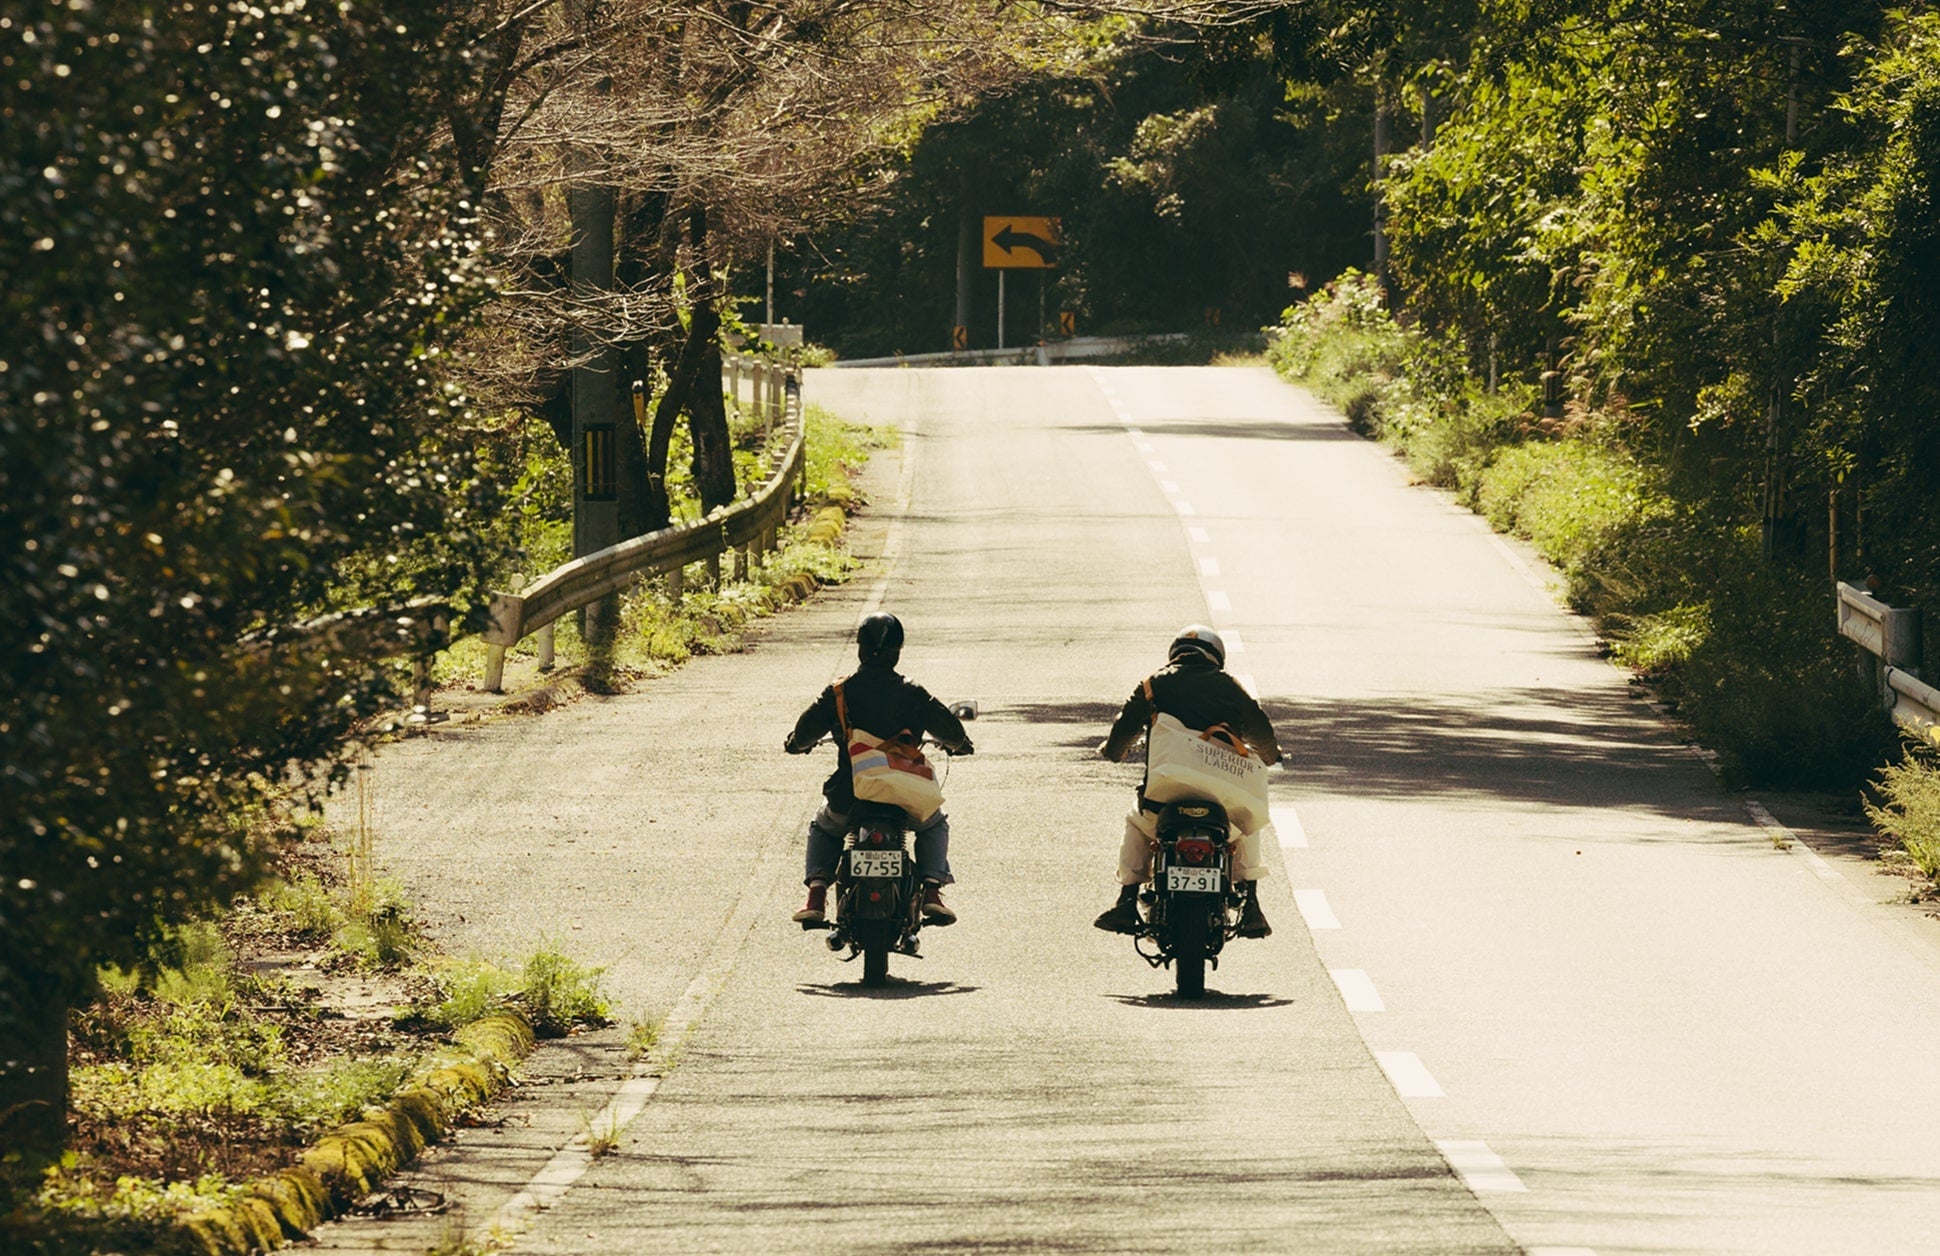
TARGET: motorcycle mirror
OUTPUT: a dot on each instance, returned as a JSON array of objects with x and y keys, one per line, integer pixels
[{"x": 964, "y": 710}]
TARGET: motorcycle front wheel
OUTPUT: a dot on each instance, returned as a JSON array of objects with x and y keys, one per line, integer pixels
[{"x": 1188, "y": 924}]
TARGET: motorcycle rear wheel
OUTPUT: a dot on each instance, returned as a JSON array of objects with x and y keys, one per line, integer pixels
[
  {"x": 876, "y": 937},
  {"x": 1188, "y": 928}
]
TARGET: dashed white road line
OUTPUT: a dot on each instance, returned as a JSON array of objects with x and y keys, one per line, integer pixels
[
  {"x": 1198, "y": 536},
  {"x": 1218, "y": 600},
  {"x": 1482, "y": 1170},
  {"x": 1357, "y": 990},
  {"x": 1184, "y": 508},
  {"x": 1156, "y": 465},
  {"x": 1247, "y": 683},
  {"x": 1286, "y": 822},
  {"x": 1233, "y": 643},
  {"x": 1209, "y": 567},
  {"x": 1559, "y": 1251},
  {"x": 1169, "y": 487},
  {"x": 1409, "y": 1076},
  {"x": 1314, "y": 909}
]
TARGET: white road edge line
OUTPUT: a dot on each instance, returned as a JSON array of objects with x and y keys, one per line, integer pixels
[
  {"x": 1769, "y": 822},
  {"x": 1409, "y": 1076},
  {"x": 1198, "y": 536},
  {"x": 1210, "y": 567},
  {"x": 1482, "y": 1171},
  {"x": 1286, "y": 822},
  {"x": 1218, "y": 600},
  {"x": 1184, "y": 508},
  {"x": 1314, "y": 909},
  {"x": 1168, "y": 486},
  {"x": 1357, "y": 990},
  {"x": 1233, "y": 644}
]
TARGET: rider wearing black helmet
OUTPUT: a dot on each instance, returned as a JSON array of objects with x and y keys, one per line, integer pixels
[
  {"x": 881, "y": 700},
  {"x": 1194, "y": 688}
]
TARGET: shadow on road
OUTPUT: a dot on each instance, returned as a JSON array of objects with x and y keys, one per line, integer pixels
[
  {"x": 1214, "y": 1001},
  {"x": 896, "y": 989},
  {"x": 1233, "y": 429}
]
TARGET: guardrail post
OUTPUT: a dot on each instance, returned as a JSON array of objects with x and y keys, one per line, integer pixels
[
  {"x": 545, "y": 648},
  {"x": 504, "y": 625},
  {"x": 676, "y": 584}
]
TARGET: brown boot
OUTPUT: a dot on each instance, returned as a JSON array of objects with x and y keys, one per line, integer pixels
[
  {"x": 935, "y": 910},
  {"x": 816, "y": 911},
  {"x": 1123, "y": 916}
]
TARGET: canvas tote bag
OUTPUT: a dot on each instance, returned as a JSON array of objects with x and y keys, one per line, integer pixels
[
  {"x": 889, "y": 770},
  {"x": 1183, "y": 762}
]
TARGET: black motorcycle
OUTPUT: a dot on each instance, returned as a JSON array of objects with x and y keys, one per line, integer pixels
[
  {"x": 1190, "y": 904},
  {"x": 876, "y": 898},
  {"x": 877, "y": 901}
]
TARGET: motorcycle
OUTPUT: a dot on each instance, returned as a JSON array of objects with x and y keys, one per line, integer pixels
[
  {"x": 876, "y": 896},
  {"x": 1191, "y": 906},
  {"x": 878, "y": 905}
]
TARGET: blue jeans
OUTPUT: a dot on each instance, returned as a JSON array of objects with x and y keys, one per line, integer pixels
[{"x": 827, "y": 829}]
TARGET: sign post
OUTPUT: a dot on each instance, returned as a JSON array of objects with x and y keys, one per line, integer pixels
[{"x": 1019, "y": 243}]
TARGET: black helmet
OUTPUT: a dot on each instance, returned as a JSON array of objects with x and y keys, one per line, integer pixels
[
  {"x": 879, "y": 639},
  {"x": 1197, "y": 639}
]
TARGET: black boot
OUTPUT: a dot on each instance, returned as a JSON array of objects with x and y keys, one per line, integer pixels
[
  {"x": 1252, "y": 921},
  {"x": 1123, "y": 916}
]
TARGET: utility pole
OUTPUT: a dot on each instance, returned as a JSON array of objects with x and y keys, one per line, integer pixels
[{"x": 595, "y": 397}]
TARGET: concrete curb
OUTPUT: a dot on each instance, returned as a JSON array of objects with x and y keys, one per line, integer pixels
[{"x": 348, "y": 1162}]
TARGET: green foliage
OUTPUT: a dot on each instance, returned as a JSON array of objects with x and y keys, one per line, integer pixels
[
  {"x": 1909, "y": 807},
  {"x": 467, "y": 991},
  {"x": 1186, "y": 177},
  {"x": 558, "y": 992},
  {"x": 232, "y": 271},
  {"x": 1744, "y": 649}
]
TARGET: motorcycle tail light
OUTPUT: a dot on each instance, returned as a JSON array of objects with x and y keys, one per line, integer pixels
[
  {"x": 1194, "y": 850},
  {"x": 874, "y": 837}
]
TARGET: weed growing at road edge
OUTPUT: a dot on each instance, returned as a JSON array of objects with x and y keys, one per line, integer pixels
[{"x": 1909, "y": 810}]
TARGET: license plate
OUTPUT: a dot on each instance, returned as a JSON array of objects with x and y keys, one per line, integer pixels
[
  {"x": 875, "y": 863},
  {"x": 1193, "y": 880}
]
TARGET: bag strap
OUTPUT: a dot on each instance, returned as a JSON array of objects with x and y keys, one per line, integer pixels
[
  {"x": 842, "y": 713},
  {"x": 1151, "y": 703}
]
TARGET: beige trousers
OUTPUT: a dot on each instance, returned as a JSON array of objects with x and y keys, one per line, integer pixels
[{"x": 1141, "y": 838}]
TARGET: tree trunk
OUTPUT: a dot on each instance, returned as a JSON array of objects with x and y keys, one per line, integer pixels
[
  {"x": 33, "y": 1079},
  {"x": 706, "y": 412},
  {"x": 643, "y": 489},
  {"x": 713, "y": 443}
]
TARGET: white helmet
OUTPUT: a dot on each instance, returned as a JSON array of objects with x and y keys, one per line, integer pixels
[{"x": 1197, "y": 639}]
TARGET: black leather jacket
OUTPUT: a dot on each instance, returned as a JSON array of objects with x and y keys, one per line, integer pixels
[{"x": 882, "y": 702}]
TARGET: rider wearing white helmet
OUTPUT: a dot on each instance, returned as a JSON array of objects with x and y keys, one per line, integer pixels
[{"x": 1194, "y": 688}]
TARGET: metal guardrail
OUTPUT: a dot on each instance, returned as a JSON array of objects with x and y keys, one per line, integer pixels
[
  {"x": 1892, "y": 637},
  {"x": 425, "y": 626},
  {"x": 745, "y": 526}
]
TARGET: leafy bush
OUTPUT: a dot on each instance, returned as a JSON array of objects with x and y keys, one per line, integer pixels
[{"x": 1909, "y": 807}]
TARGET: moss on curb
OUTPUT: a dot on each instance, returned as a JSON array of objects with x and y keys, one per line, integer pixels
[{"x": 349, "y": 1161}]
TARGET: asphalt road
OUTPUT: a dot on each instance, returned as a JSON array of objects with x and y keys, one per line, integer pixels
[{"x": 1536, "y": 982}]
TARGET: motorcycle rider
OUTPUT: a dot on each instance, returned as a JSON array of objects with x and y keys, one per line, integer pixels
[
  {"x": 878, "y": 698},
  {"x": 1194, "y": 688}
]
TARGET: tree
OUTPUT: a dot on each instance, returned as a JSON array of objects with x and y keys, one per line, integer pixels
[{"x": 231, "y": 273}]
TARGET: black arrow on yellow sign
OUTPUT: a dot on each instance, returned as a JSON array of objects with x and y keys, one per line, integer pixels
[{"x": 1010, "y": 239}]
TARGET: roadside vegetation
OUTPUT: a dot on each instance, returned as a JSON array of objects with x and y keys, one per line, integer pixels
[
  {"x": 1659, "y": 296},
  {"x": 245, "y": 1037},
  {"x": 1742, "y": 648}
]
